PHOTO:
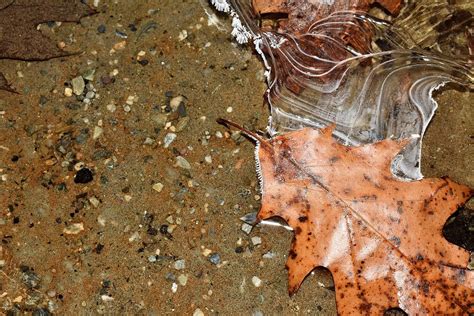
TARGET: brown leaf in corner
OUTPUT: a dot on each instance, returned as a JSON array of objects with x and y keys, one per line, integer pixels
[
  {"x": 380, "y": 237},
  {"x": 19, "y": 38}
]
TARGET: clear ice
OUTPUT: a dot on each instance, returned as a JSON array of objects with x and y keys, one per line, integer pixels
[{"x": 371, "y": 76}]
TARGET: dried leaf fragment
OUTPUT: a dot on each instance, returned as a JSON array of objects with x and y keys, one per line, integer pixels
[
  {"x": 19, "y": 38},
  {"x": 380, "y": 237}
]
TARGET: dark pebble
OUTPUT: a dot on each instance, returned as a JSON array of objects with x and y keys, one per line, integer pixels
[
  {"x": 101, "y": 154},
  {"x": 83, "y": 176},
  {"x": 43, "y": 100},
  {"x": 169, "y": 94},
  {"x": 15, "y": 158},
  {"x": 82, "y": 137},
  {"x": 182, "y": 110},
  {"x": 73, "y": 106},
  {"x": 239, "y": 249},
  {"x": 41, "y": 312},
  {"x": 132, "y": 27},
  {"x": 164, "y": 231},
  {"x": 143, "y": 62},
  {"x": 170, "y": 277},
  {"x": 121, "y": 34},
  {"x": 101, "y": 28},
  {"x": 215, "y": 258},
  {"x": 106, "y": 80},
  {"x": 29, "y": 277},
  {"x": 152, "y": 231},
  {"x": 104, "y": 180},
  {"x": 61, "y": 187}
]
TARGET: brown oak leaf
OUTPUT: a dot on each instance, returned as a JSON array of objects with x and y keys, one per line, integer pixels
[
  {"x": 380, "y": 237},
  {"x": 19, "y": 38}
]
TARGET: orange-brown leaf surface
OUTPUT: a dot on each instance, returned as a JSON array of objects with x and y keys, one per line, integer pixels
[{"x": 380, "y": 237}]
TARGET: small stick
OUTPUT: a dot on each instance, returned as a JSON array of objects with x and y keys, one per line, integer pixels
[{"x": 251, "y": 134}]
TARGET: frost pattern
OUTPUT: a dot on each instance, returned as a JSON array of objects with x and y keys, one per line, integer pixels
[
  {"x": 372, "y": 78},
  {"x": 221, "y": 5}
]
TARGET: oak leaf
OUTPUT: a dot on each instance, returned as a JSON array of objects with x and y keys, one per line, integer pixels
[
  {"x": 19, "y": 38},
  {"x": 380, "y": 237}
]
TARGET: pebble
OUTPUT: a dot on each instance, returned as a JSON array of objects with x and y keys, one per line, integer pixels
[
  {"x": 78, "y": 85},
  {"x": 179, "y": 264},
  {"x": 74, "y": 229},
  {"x": 269, "y": 255},
  {"x": 120, "y": 45},
  {"x": 176, "y": 101},
  {"x": 215, "y": 258},
  {"x": 182, "y": 123},
  {"x": 198, "y": 312},
  {"x": 90, "y": 95},
  {"x": 256, "y": 240},
  {"x": 68, "y": 92},
  {"x": 51, "y": 293},
  {"x": 182, "y": 163},
  {"x": 143, "y": 62},
  {"x": 174, "y": 287},
  {"x": 182, "y": 35},
  {"x": 97, "y": 132},
  {"x": 94, "y": 201},
  {"x": 158, "y": 187},
  {"x": 246, "y": 228},
  {"x": 170, "y": 277},
  {"x": 160, "y": 119},
  {"x": 111, "y": 107},
  {"x": 182, "y": 110},
  {"x": 121, "y": 34},
  {"x": 101, "y": 28},
  {"x": 83, "y": 176},
  {"x": 169, "y": 138},
  {"x": 256, "y": 281},
  {"x": 149, "y": 141},
  {"x": 183, "y": 279},
  {"x": 229, "y": 109},
  {"x": 152, "y": 258},
  {"x": 89, "y": 76},
  {"x": 208, "y": 159}
]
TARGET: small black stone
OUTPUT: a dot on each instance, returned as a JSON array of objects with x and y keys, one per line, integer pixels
[
  {"x": 43, "y": 100},
  {"x": 98, "y": 248},
  {"x": 15, "y": 158},
  {"x": 61, "y": 187},
  {"x": 143, "y": 62},
  {"x": 83, "y": 176},
  {"x": 101, "y": 28},
  {"x": 182, "y": 110},
  {"x": 164, "y": 229},
  {"x": 132, "y": 27},
  {"x": 152, "y": 231},
  {"x": 239, "y": 249}
]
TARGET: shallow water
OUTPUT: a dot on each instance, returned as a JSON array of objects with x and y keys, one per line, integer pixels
[{"x": 373, "y": 77}]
